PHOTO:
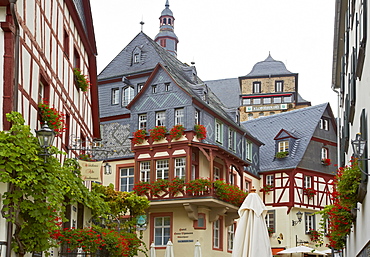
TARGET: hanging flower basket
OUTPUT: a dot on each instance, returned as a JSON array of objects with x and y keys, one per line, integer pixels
[
  {"x": 158, "y": 133},
  {"x": 82, "y": 80},
  {"x": 177, "y": 131},
  {"x": 139, "y": 136},
  {"x": 200, "y": 131},
  {"x": 326, "y": 162},
  {"x": 52, "y": 117}
]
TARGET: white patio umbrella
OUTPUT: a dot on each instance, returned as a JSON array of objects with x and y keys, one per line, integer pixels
[
  {"x": 197, "y": 250},
  {"x": 302, "y": 249},
  {"x": 152, "y": 250},
  {"x": 251, "y": 237},
  {"x": 169, "y": 250}
]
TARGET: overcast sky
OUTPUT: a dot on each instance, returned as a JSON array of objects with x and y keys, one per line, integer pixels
[{"x": 226, "y": 38}]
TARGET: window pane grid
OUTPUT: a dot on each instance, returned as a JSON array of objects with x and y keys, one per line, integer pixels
[
  {"x": 180, "y": 168},
  {"x": 127, "y": 179},
  {"x": 145, "y": 171},
  {"x": 162, "y": 169},
  {"x": 179, "y": 116},
  {"x": 162, "y": 230},
  {"x": 160, "y": 119},
  {"x": 142, "y": 121}
]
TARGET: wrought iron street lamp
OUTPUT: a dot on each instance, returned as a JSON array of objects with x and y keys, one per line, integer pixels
[
  {"x": 46, "y": 138},
  {"x": 299, "y": 217},
  {"x": 358, "y": 147},
  {"x": 107, "y": 169}
]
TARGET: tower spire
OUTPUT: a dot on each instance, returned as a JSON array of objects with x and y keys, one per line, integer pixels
[{"x": 166, "y": 36}]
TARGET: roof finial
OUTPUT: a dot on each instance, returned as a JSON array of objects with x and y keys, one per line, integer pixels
[
  {"x": 142, "y": 25},
  {"x": 167, "y": 4}
]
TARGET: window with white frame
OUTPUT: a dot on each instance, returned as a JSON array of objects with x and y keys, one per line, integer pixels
[
  {"x": 246, "y": 101},
  {"x": 232, "y": 140},
  {"x": 128, "y": 95},
  {"x": 162, "y": 169},
  {"x": 180, "y": 167},
  {"x": 279, "y": 86},
  {"x": 216, "y": 173},
  {"x": 270, "y": 220},
  {"x": 309, "y": 221},
  {"x": 154, "y": 89},
  {"x": 324, "y": 153},
  {"x": 307, "y": 182},
  {"x": 115, "y": 95},
  {"x": 140, "y": 86},
  {"x": 197, "y": 116},
  {"x": 179, "y": 116},
  {"x": 247, "y": 185},
  {"x": 217, "y": 234},
  {"x": 219, "y": 132},
  {"x": 230, "y": 237},
  {"x": 142, "y": 121},
  {"x": 126, "y": 179},
  {"x": 136, "y": 58},
  {"x": 162, "y": 230},
  {"x": 248, "y": 150},
  {"x": 270, "y": 180},
  {"x": 145, "y": 171},
  {"x": 276, "y": 100},
  {"x": 324, "y": 124},
  {"x": 283, "y": 146},
  {"x": 160, "y": 118},
  {"x": 256, "y": 87},
  {"x": 167, "y": 87}
]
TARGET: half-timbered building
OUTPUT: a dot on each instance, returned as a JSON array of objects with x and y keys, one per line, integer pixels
[
  {"x": 297, "y": 168},
  {"x": 41, "y": 43}
]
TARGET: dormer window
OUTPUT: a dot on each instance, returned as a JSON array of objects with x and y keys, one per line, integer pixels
[
  {"x": 136, "y": 55},
  {"x": 283, "y": 146}
]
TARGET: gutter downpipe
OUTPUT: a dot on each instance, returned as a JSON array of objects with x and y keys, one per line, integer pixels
[
  {"x": 15, "y": 108},
  {"x": 338, "y": 125}
]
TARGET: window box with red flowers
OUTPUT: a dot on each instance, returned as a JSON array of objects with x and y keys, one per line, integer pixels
[
  {"x": 326, "y": 162},
  {"x": 52, "y": 117},
  {"x": 158, "y": 133},
  {"x": 267, "y": 188},
  {"x": 314, "y": 235},
  {"x": 81, "y": 80},
  {"x": 229, "y": 193},
  {"x": 177, "y": 132},
  {"x": 310, "y": 192},
  {"x": 200, "y": 131},
  {"x": 176, "y": 186},
  {"x": 199, "y": 186},
  {"x": 142, "y": 188},
  {"x": 139, "y": 136},
  {"x": 159, "y": 186}
]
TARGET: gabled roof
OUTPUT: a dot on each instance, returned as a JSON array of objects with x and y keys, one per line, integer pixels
[
  {"x": 284, "y": 134},
  {"x": 300, "y": 123},
  {"x": 227, "y": 90}
]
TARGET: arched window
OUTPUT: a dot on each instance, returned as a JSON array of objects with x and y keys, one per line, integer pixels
[
  {"x": 164, "y": 21},
  {"x": 169, "y": 21},
  {"x": 128, "y": 95}
]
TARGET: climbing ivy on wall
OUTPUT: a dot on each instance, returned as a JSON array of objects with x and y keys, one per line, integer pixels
[{"x": 36, "y": 191}]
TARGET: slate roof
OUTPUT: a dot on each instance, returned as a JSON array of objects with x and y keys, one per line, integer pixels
[
  {"x": 154, "y": 54},
  {"x": 227, "y": 90},
  {"x": 300, "y": 123},
  {"x": 269, "y": 67}
]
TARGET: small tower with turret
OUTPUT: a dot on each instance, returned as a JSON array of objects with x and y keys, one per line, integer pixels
[{"x": 166, "y": 36}]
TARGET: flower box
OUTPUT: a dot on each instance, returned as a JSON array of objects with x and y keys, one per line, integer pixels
[
  {"x": 310, "y": 192},
  {"x": 177, "y": 132},
  {"x": 139, "y": 136},
  {"x": 158, "y": 133},
  {"x": 81, "y": 80},
  {"x": 326, "y": 162},
  {"x": 281, "y": 155},
  {"x": 52, "y": 117},
  {"x": 200, "y": 132}
]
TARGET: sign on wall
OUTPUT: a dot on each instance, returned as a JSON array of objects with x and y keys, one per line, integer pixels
[{"x": 90, "y": 171}]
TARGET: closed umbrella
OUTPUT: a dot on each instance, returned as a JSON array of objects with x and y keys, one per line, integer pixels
[
  {"x": 302, "y": 249},
  {"x": 251, "y": 236},
  {"x": 152, "y": 250},
  {"x": 197, "y": 250},
  {"x": 169, "y": 249}
]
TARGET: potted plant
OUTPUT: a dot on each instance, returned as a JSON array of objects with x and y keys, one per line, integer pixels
[
  {"x": 326, "y": 162},
  {"x": 139, "y": 136},
  {"x": 270, "y": 230},
  {"x": 281, "y": 155},
  {"x": 52, "y": 117},
  {"x": 310, "y": 192},
  {"x": 177, "y": 131},
  {"x": 267, "y": 188},
  {"x": 200, "y": 131},
  {"x": 81, "y": 80},
  {"x": 158, "y": 133}
]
